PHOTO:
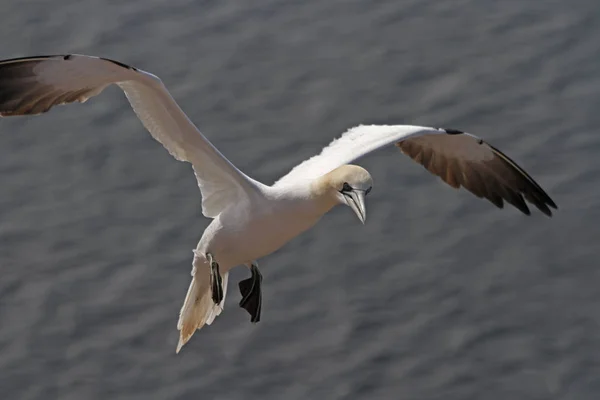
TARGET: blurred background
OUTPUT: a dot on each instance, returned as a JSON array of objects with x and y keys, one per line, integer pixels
[{"x": 439, "y": 296}]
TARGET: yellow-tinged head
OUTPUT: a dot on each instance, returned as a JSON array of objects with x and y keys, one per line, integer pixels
[{"x": 348, "y": 184}]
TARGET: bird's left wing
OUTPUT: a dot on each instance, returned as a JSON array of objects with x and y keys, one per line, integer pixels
[
  {"x": 458, "y": 158},
  {"x": 34, "y": 85}
]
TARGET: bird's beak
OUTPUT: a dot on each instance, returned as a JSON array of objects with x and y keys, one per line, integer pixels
[{"x": 356, "y": 201}]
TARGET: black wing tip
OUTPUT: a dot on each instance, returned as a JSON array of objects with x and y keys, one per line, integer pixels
[
  {"x": 544, "y": 210},
  {"x": 119, "y": 63},
  {"x": 523, "y": 208},
  {"x": 543, "y": 201},
  {"x": 34, "y": 58},
  {"x": 520, "y": 205},
  {"x": 547, "y": 210},
  {"x": 542, "y": 205},
  {"x": 451, "y": 131},
  {"x": 65, "y": 57}
]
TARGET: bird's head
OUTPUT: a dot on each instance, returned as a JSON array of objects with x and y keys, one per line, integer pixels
[{"x": 349, "y": 184}]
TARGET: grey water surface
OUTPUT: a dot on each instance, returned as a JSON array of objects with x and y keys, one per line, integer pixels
[{"x": 439, "y": 296}]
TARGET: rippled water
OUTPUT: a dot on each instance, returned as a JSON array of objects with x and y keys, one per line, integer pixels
[{"x": 439, "y": 296}]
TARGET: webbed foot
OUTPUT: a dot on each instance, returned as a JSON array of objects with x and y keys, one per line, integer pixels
[
  {"x": 216, "y": 281},
  {"x": 252, "y": 294}
]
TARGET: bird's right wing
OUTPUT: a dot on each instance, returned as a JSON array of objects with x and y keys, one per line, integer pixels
[
  {"x": 33, "y": 85},
  {"x": 458, "y": 158}
]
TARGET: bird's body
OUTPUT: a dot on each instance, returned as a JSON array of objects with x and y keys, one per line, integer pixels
[
  {"x": 249, "y": 219},
  {"x": 252, "y": 229}
]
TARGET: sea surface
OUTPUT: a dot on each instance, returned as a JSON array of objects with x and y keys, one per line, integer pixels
[{"x": 439, "y": 296}]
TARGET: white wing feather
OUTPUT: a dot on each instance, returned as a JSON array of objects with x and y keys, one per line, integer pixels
[
  {"x": 353, "y": 144},
  {"x": 34, "y": 85}
]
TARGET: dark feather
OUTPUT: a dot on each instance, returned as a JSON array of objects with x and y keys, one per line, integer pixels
[{"x": 494, "y": 177}]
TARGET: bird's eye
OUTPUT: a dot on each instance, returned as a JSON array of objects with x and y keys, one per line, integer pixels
[
  {"x": 368, "y": 190},
  {"x": 346, "y": 187}
]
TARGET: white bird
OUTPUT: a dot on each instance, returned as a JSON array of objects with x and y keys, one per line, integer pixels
[{"x": 250, "y": 219}]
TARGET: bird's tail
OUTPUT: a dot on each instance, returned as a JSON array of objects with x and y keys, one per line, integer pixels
[{"x": 198, "y": 308}]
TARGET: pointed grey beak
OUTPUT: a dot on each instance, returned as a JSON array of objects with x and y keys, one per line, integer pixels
[{"x": 356, "y": 201}]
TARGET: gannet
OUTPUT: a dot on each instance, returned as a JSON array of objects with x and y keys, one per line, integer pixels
[{"x": 250, "y": 219}]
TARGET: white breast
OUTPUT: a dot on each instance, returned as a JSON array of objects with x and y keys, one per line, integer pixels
[{"x": 252, "y": 231}]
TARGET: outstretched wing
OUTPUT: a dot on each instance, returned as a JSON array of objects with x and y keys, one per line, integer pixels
[
  {"x": 34, "y": 85},
  {"x": 458, "y": 158}
]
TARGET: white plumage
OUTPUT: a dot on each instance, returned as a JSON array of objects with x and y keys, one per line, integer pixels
[{"x": 250, "y": 219}]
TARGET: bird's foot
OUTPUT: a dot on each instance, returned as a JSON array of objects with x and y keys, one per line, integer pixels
[
  {"x": 252, "y": 294},
  {"x": 216, "y": 281}
]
